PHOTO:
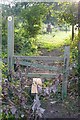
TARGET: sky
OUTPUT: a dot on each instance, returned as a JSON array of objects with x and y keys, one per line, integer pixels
[{"x": 10, "y": 1}]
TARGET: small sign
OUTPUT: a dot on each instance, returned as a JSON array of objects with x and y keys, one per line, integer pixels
[
  {"x": 36, "y": 82},
  {"x": 9, "y": 18}
]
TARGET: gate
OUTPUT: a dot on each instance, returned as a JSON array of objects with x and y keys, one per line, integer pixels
[{"x": 41, "y": 63}]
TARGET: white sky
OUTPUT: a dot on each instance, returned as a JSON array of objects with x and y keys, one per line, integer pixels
[
  {"x": 6, "y": 1},
  {"x": 10, "y": 1}
]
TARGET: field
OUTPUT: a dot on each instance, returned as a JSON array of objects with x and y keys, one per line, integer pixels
[{"x": 54, "y": 39}]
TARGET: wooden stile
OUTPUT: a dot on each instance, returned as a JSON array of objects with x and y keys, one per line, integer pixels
[{"x": 29, "y": 60}]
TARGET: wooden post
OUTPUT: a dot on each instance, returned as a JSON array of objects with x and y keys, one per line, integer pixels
[
  {"x": 10, "y": 42},
  {"x": 65, "y": 71}
]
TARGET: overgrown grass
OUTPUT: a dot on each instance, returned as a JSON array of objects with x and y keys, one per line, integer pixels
[{"x": 53, "y": 40}]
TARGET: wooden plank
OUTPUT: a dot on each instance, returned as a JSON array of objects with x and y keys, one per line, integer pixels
[
  {"x": 45, "y": 67},
  {"x": 41, "y": 75},
  {"x": 66, "y": 69},
  {"x": 10, "y": 41},
  {"x": 44, "y": 58}
]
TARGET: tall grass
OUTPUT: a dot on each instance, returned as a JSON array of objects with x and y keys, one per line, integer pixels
[{"x": 53, "y": 40}]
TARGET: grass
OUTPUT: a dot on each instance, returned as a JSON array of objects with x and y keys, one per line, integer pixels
[
  {"x": 53, "y": 40},
  {"x": 0, "y": 116}
]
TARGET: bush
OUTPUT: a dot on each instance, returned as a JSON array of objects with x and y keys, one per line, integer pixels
[
  {"x": 74, "y": 49},
  {"x": 74, "y": 53}
]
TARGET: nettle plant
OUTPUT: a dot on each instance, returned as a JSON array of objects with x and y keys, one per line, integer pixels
[
  {"x": 17, "y": 100},
  {"x": 16, "y": 96}
]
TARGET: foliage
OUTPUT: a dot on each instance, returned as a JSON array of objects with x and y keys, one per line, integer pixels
[
  {"x": 27, "y": 25},
  {"x": 74, "y": 49},
  {"x": 4, "y": 33},
  {"x": 67, "y": 12},
  {"x": 16, "y": 95},
  {"x": 33, "y": 17}
]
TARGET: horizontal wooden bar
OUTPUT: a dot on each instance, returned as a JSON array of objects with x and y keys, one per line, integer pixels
[
  {"x": 41, "y": 75},
  {"x": 44, "y": 58},
  {"x": 45, "y": 67}
]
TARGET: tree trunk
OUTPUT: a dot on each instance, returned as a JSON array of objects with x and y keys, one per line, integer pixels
[{"x": 72, "y": 32}]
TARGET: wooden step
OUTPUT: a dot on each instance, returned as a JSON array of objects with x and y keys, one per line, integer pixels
[{"x": 42, "y": 75}]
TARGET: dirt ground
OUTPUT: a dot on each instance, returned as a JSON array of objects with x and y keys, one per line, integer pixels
[{"x": 59, "y": 109}]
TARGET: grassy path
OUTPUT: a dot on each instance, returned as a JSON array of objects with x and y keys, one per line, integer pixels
[
  {"x": 53, "y": 40},
  {"x": 55, "y": 108}
]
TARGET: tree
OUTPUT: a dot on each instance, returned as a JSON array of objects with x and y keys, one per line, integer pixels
[
  {"x": 28, "y": 19},
  {"x": 33, "y": 17},
  {"x": 68, "y": 13}
]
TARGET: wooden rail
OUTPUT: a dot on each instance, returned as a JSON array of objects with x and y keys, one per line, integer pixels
[
  {"x": 36, "y": 65},
  {"x": 44, "y": 58},
  {"x": 41, "y": 75}
]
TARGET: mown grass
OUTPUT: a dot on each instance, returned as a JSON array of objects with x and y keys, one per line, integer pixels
[{"x": 53, "y": 40}]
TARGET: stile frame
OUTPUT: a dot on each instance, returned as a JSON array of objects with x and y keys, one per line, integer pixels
[{"x": 11, "y": 58}]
